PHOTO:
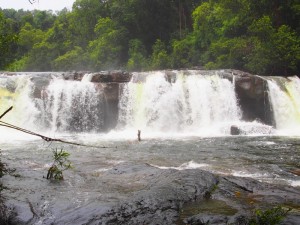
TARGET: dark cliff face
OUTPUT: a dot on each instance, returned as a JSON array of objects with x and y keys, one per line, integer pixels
[
  {"x": 253, "y": 97},
  {"x": 109, "y": 83}
]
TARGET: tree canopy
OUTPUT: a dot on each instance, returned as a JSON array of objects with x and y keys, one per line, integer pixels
[{"x": 261, "y": 37}]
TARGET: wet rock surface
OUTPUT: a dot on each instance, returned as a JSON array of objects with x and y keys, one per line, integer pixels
[
  {"x": 143, "y": 194},
  {"x": 252, "y": 93}
]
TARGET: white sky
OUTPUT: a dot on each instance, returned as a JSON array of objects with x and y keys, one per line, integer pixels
[{"x": 37, "y": 4}]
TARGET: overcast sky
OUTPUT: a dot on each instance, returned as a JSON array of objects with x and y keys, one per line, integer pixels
[{"x": 37, "y": 4}]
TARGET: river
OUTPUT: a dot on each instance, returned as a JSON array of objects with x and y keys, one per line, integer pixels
[{"x": 181, "y": 130}]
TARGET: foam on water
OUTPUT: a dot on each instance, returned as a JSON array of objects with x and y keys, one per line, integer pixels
[
  {"x": 185, "y": 166},
  {"x": 295, "y": 183}
]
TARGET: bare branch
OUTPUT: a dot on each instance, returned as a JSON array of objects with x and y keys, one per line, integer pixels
[
  {"x": 3, "y": 114},
  {"x": 48, "y": 139},
  {"x": 32, "y": 1}
]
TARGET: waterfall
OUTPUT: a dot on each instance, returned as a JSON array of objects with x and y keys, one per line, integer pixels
[
  {"x": 192, "y": 104},
  {"x": 61, "y": 105},
  {"x": 73, "y": 106},
  {"x": 187, "y": 102},
  {"x": 17, "y": 91},
  {"x": 285, "y": 98}
]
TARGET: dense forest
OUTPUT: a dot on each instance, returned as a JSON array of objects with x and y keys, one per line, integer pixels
[{"x": 258, "y": 36}]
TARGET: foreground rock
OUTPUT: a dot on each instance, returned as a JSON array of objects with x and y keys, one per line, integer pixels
[{"x": 143, "y": 194}]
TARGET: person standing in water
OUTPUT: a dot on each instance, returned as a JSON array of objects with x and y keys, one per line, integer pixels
[{"x": 139, "y": 135}]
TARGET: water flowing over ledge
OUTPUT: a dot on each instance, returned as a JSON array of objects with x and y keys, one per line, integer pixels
[
  {"x": 185, "y": 102},
  {"x": 187, "y": 166}
]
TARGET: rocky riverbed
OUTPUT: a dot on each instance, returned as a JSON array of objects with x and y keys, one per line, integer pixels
[{"x": 148, "y": 195}]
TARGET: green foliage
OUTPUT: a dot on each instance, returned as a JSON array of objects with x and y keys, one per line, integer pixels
[
  {"x": 205, "y": 24},
  {"x": 18, "y": 65},
  {"x": 261, "y": 37},
  {"x": 137, "y": 56},
  {"x": 228, "y": 53},
  {"x": 72, "y": 59},
  {"x": 273, "y": 50},
  {"x": 160, "y": 58},
  {"x": 30, "y": 36},
  {"x": 185, "y": 53},
  {"x": 84, "y": 18},
  {"x": 60, "y": 164},
  {"x": 8, "y": 42},
  {"x": 287, "y": 50},
  {"x": 40, "y": 56},
  {"x": 232, "y": 34},
  {"x": 271, "y": 216},
  {"x": 106, "y": 50}
]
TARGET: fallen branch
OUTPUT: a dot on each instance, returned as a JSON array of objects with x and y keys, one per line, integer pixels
[{"x": 45, "y": 138}]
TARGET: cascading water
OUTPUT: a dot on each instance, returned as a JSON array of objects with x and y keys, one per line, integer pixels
[
  {"x": 73, "y": 106},
  {"x": 62, "y": 105},
  {"x": 185, "y": 118},
  {"x": 192, "y": 104},
  {"x": 285, "y": 98},
  {"x": 17, "y": 91},
  {"x": 175, "y": 102}
]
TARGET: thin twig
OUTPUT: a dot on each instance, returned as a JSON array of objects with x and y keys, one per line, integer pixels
[{"x": 3, "y": 114}]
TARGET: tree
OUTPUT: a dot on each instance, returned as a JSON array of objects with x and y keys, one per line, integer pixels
[
  {"x": 287, "y": 51},
  {"x": 84, "y": 17},
  {"x": 242, "y": 35},
  {"x": 43, "y": 20},
  {"x": 74, "y": 59},
  {"x": 256, "y": 36},
  {"x": 50, "y": 45},
  {"x": 137, "y": 56},
  {"x": 8, "y": 42},
  {"x": 160, "y": 58},
  {"x": 275, "y": 51},
  {"x": 40, "y": 57},
  {"x": 185, "y": 54},
  {"x": 29, "y": 36},
  {"x": 107, "y": 50}
]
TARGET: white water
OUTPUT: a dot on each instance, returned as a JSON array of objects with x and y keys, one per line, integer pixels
[
  {"x": 69, "y": 105},
  {"x": 194, "y": 104},
  {"x": 285, "y": 99},
  {"x": 24, "y": 109},
  {"x": 64, "y": 106},
  {"x": 185, "y": 166},
  {"x": 191, "y": 105}
]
